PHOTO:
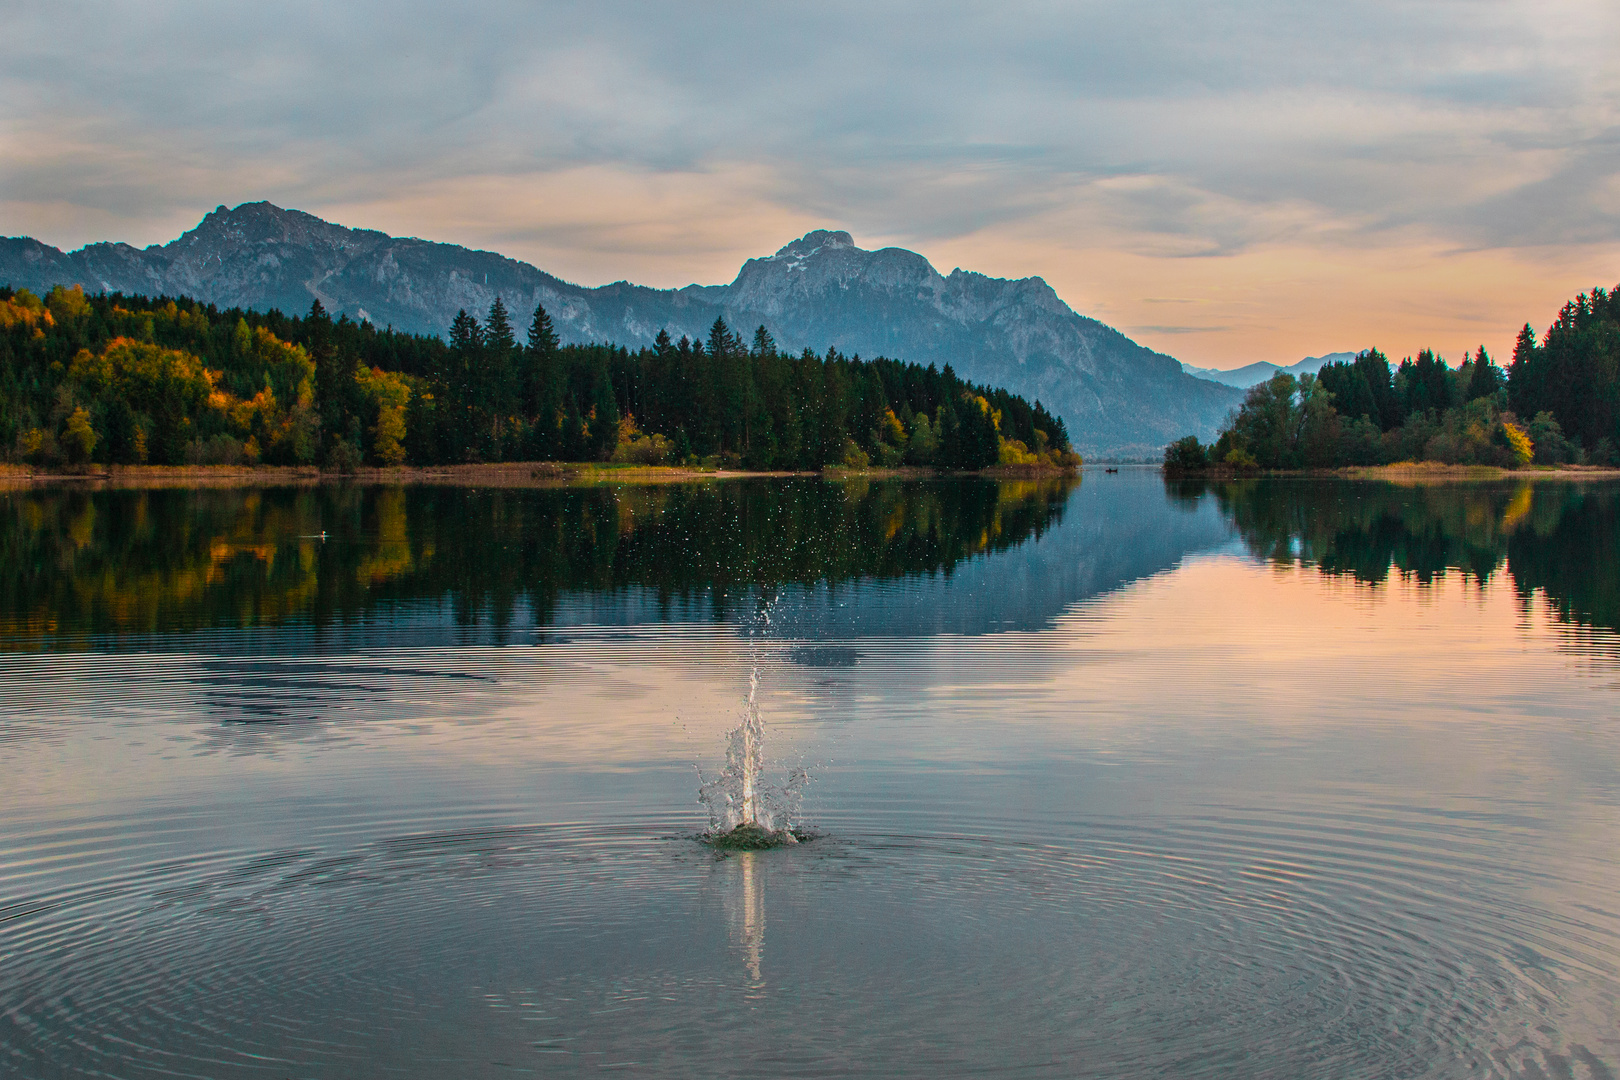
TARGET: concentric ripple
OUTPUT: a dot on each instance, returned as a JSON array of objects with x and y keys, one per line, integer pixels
[{"x": 1233, "y": 945}]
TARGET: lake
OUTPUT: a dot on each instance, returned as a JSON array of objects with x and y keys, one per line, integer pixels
[{"x": 1107, "y": 777}]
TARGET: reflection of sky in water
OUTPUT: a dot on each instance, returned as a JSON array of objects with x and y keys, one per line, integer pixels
[{"x": 1151, "y": 811}]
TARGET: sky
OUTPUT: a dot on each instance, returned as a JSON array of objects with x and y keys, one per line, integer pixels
[{"x": 1225, "y": 182}]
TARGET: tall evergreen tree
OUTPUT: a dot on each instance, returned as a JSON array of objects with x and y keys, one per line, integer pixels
[
  {"x": 542, "y": 385},
  {"x": 1426, "y": 383},
  {"x": 764, "y": 344},
  {"x": 499, "y": 395},
  {"x": 1486, "y": 378},
  {"x": 604, "y": 415},
  {"x": 461, "y": 383}
]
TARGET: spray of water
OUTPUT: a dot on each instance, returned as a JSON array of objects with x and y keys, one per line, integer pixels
[{"x": 739, "y": 798}]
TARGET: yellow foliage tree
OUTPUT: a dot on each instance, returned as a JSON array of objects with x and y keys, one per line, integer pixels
[
  {"x": 25, "y": 309},
  {"x": 388, "y": 393},
  {"x": 148, "y": 376},
  {"x": 67, "y": 305},
  {"x": 78, "y": 437},
  {"x": 1518, "y": 441}
]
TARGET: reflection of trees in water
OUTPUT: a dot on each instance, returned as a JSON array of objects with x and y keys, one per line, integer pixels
[
  {"x": 1556, "y": 536},
  {"x": 1573, "y": 557},
  {"x": 76, "y": 561}
]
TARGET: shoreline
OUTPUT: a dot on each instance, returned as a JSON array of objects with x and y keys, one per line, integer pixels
[
  {"x": 1410, "y": 471},
  {"x": 515, "y": 474}
]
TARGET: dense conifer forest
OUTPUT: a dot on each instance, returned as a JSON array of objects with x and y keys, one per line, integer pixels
[
  {"x": 1557, "y": 402},
  {"x": 118, "y": 379}
]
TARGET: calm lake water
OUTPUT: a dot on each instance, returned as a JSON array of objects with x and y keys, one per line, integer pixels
[{"x": 1112, "y": 778}]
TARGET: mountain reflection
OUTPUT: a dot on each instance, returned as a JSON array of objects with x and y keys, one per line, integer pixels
[
  {"x": 1556, "y": 536},
  {"x": 99, "y": 562}
]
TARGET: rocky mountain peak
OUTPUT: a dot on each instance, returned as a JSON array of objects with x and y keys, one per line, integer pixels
[
  {"x": 261, "y": 223},
  {"x": 814, "y": 241},
  {"x": 823, "y": 264}
]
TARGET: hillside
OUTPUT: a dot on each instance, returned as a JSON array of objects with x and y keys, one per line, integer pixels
[{"x": 1116, "y": 397}]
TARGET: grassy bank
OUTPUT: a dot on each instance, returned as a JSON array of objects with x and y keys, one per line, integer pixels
[{"x": 1414, "y": 472}]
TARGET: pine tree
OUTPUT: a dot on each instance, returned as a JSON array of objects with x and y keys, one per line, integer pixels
[
  {"x": 542, "y": 386},
  {"x": 764, "y": 344},
  {"x": 498, "y": 328},
  {"x": 1373, "y": 366},
  {"x": 719, "y": 338},
  {"x": 1486, "y": 378},
  {"x": 573, "y": 433},
  {"x": 1525, "y": 346},
  {"x": 605, "y": 419},
  {"x": 461, "y": 382},
  {"x": 465, "y": 333},
  {"x": 1525, "y": 375},
  {"x": 498, "y": 395}
]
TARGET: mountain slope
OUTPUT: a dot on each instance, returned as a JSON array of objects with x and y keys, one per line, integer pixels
[{"x": 1116, "y": 397}]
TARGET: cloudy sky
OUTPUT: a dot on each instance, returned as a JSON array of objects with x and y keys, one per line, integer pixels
[{"x": 1226, "y": 182}]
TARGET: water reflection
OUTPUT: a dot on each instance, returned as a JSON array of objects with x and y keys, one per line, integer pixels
[
  {"x": 745, "y": 911},
  {"x": 1556, "y": 537},
  {"x": 76, "y": 562}
]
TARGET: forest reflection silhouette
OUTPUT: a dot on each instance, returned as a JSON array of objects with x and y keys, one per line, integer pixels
[
  {"x": 75, "y": 562},
  {"x": 1555, "y": 536}
]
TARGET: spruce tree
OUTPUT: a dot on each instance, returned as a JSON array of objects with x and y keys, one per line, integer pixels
[
  {"x": 573, "y": 433},
  {"x": 466, "y": 341},
  {"x": 605, "y": 419},
  {"x": 1525, "y": 375},
  {"x": 543, "y": 391},
  {"x": 1486, "y": 377},
  {"x": 764, "y": 344},
  {"x": 498, "y": 394},
  {"x": 719, "y": 339},
  {"x": 498, "y": 328}
]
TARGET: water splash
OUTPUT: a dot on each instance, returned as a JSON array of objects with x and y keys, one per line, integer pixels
[
  {"x": 744, "y": 810},
  {"x": 740, "y": 797}
]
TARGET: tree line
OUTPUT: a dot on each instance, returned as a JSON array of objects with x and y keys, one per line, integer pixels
[
  {"x": 1366, "y": 412},
  {"x": 121, "y": 379}
]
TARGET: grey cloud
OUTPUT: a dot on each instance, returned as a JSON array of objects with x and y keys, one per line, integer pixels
[
  {"x": 911, "y": 119},
  {"x": 1564, "y": 208}
]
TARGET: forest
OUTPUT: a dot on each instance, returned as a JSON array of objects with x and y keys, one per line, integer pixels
[
  {"x": 1557, "y": 402},
  {"x": 113, "y": 379}
]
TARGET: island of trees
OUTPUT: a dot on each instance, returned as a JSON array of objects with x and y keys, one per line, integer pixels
[
  {"x": 1558, "y": 402},
  {"x": 117, "y": 379}
]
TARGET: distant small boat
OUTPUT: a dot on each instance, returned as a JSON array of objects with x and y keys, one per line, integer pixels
[{"x": 1110, "y": 470}]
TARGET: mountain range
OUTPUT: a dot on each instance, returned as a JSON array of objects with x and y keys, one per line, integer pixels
[
  {"x": 1117, "y": 398},
  {"x": 1256, "y": 373}
]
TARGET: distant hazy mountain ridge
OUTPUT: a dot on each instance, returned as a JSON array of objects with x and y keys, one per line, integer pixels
[
  {"x": 1258, "y": 372},
  {"x": 1115, "y": 396}
]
